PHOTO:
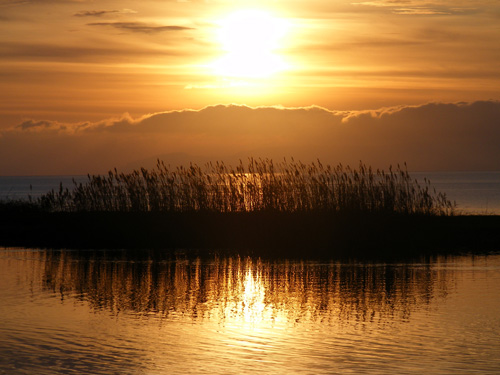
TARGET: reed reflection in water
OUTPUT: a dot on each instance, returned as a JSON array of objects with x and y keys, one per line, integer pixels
[
  {"x": 245, "y": 290},
  {"x": 104, "y": 312}
]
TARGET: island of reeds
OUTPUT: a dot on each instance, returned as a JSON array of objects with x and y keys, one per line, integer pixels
[
  {"x": 283, "y": 207},
  {"x": 260, "y": 185}
]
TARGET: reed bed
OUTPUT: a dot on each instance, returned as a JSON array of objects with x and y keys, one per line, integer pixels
[{"x": 257, "y": 185}]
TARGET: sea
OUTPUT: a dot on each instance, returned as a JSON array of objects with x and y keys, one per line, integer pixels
[
  {"x": 96, "y": 311},
  {"x": 101, "y": 312},
  {"x": 473, "y": 192}
]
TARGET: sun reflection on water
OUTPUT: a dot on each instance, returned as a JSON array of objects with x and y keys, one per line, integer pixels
[
  {"x": 216, "y": 314},
  {"x": 245, "y": 291},
  {"x": 252, "y": 304}
]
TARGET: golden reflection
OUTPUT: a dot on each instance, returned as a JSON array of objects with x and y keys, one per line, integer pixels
[
  {"x": 246, "y": 291},
  {"x": 253, "y": 297}
]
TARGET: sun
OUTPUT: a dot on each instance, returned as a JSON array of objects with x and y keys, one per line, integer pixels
[{"x": 250, "y": 40}]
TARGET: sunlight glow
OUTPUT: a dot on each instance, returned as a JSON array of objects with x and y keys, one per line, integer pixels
[
  {"x": 250, "y": 39},
  {"x": 253, "y": 298}
]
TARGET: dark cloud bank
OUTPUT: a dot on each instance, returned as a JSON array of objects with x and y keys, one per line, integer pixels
[{"x": 436, "y": 136}]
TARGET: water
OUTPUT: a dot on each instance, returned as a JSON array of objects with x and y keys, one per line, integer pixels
[
  {"x": 474, "y": 192},
  {"x": 90, "y": 312},
  {"x": 21, "y": 187}
]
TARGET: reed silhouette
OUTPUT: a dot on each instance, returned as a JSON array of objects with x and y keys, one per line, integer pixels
[
  {"x": 286, "y": 209},
  {"x": 258, "y": 185}
]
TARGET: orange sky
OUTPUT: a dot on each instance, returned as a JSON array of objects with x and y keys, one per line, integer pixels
[{"x": 89, "y": 61}]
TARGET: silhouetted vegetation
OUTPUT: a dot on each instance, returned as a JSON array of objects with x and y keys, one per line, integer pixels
[
  {"x": 280, "y": 209},
  {"x": 260, "y": 185},
  {"x": 18, "y": 206}
]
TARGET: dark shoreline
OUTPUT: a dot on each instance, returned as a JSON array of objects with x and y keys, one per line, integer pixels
[{"x": 261, "y": 233}]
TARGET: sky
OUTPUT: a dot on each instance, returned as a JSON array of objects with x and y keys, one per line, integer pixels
[{"x": 86, "y": 86}]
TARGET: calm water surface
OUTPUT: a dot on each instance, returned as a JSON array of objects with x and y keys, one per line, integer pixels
[
  {"x": 474, "y": 192},
  {"x": 111, "y": 313}
]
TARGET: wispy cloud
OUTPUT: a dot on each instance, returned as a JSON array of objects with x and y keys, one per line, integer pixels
[
  {"x": 6, "y": 3},
  {"x": 421, "y": 11},
  {"x": 39, "y": 126},
  {"x": 64, "y": 52},
  {"x": 94, "y": 13},
  {"x": 99, "y": 13},
  {"x": 416, "y": 7},
  {"x": 141, "y": 27}
]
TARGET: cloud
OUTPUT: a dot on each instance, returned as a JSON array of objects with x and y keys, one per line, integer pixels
[
  {"x": 31, "y": 125},
  {"x": 418, "y": 7},
  {"x": 8, "y": 3},
  {"x": 434, "y": 136},
  {"x": 99, "y": 13},
  {"x": 140, "y": 27},
  {"x": 82, "y": 53},
  {"x": 94, "y": 13}
]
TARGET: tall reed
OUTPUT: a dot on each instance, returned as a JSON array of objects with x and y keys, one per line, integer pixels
[{"x": 258, "y": 185}]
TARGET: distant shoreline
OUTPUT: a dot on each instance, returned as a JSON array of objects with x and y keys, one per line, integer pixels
[{"x": 262, "y": 233}]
